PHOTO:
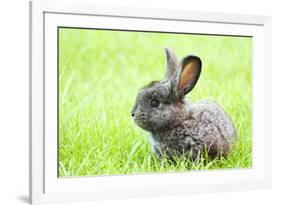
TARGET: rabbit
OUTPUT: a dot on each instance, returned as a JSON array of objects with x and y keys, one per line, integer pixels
[{"x": 177, "y": 126}]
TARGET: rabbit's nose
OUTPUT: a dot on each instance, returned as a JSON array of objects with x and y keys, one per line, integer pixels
[{"x": 133, "y": 111}]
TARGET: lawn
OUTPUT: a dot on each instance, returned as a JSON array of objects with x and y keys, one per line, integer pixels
[{"x": 100, "y": 73}]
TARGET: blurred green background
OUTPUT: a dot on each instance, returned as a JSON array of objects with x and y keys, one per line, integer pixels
[{"x": 100, "y": 73}]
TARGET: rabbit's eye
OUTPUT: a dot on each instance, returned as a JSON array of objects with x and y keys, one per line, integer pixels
[{"x": 154, "y": 103}]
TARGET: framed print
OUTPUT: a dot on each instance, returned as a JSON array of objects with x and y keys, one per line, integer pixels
[{"x": 127, "y": 102}]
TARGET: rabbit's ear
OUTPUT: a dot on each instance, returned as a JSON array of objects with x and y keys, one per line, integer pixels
[
  {"x": 172, "y": 62},
  {"x": 189, "y": 72}
]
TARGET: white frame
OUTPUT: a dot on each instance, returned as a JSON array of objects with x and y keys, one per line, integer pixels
[{"x": 45, "y": 187}]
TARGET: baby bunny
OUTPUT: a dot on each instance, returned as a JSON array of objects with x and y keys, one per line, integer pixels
[{"x": 179, "y": 127}]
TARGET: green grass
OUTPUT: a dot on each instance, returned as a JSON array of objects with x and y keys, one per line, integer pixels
[{"x": 100, "y": 73}]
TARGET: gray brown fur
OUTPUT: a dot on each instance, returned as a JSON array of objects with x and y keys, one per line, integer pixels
[{"x": 177, "y": 126}]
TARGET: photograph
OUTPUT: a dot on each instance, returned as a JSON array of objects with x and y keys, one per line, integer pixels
[{"x": 145, "y": 102}]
